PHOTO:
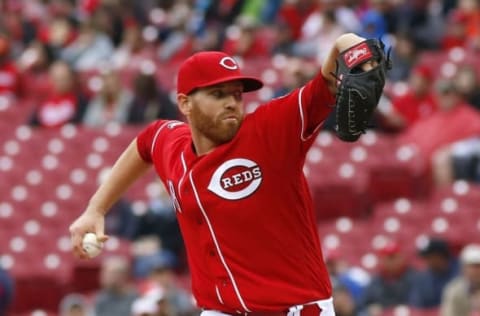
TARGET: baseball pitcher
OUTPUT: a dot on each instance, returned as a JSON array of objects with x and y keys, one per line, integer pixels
[{"x": 236, "y": 180}]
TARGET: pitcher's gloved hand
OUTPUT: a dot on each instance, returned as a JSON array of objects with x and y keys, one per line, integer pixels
[{"x": 360, "y": 75}]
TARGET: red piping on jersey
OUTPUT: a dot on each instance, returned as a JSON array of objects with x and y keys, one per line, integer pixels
[{"x": 217, "y": 246}]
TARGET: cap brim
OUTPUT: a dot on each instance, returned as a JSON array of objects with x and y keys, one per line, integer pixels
[{"x": 249, "y": 83}]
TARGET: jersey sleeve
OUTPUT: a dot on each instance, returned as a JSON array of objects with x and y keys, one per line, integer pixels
[
  {"x": 147, "y": 138},
  {"x": 315, "y": 102},
  {"x": 291, "y": 121}
]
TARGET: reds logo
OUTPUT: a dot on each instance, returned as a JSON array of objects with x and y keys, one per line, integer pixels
[
  {"x": 357, "y": 55},
  {"x": 229, "y": 63},
  {"x": 236, "y": 179}
]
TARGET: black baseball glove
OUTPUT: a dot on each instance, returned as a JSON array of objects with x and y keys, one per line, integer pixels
[{"x": 358, "y": 91}]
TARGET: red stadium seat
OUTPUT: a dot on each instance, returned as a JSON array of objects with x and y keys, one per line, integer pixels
[
  {"x": 463, "y": 192},
  {"x": 86, "y": 274},
  {"x": 398, "y": 173},
  {"x": 338, "y": 191},
  {"x": 41, "y": 292}
]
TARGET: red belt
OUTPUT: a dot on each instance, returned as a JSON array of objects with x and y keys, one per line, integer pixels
[{"x": 307, "y": 310}]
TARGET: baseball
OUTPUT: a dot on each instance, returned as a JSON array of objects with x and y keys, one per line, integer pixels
[{"x": 91, "y": 245}]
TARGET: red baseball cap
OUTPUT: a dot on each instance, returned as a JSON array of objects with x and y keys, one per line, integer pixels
[
  {"x": 423, "y": 71},
  {"x": 390, "y": 248},
  {"x": 209, "y": 68}
]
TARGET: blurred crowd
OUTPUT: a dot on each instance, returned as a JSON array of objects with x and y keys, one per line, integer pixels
[
  {"x": 446, "y": 282},
  {"x": 449, "y": 284},
  {"x": 91, "y": 62}
]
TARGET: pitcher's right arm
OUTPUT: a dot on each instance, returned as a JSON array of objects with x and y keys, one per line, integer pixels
[{"x": 128, "y": 168}]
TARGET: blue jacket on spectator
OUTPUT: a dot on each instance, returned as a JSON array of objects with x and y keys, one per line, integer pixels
[
  {"x": 428, "y": 286},
  {"x": 6, "y": 291}
]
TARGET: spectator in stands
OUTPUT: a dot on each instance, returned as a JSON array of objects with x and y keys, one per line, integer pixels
[
  {"x": 154, "y": 302},
  {"x": 120, "y": 221},
  {"x": 295, "y": 73},
  {"x": 295, "y": 13},
  {"x": 467, "y": 83},
  {"x": 175, "y": 39},
  {"x": 116, "y": 294},
  {"x": 90, "y": 48},
  {"x": 343, "y": 301},
  {"x": 417, "y": 103},
  {"x": 226, "y": 12},
  {"x": 461, "y": 294},
  {"x": 373, "y": 22},
  {"x": 34, "y": 63},
  {"x": 146, "y": 249},
  {"x": 392, "y": 284},
  {"x": 215, "y": 13},
  {"x": 471, "y": 10},
  {"x": 162, "y": 276},
  {"x": 404, "y": 55},
  {"x": 253, "y": 10},
  {"x": 21, "y": 27},
  {"x": 433, "y": 136},
  {"x": 475, "y": 303},
  {"x": 57, "y": 34},
  {"x": 111, "y": 104},
  {"x": 441, "y": 268},
  {"x": 269, "y": 11},
  {"x": 455, "y": 34},
  {"x": 210, "y": 39},
  {"x": 74, "y": 305},
  {"x": 345, "y": 13},
  {"x": 65, "y": 102},
  {"x": 466, "y": 153},
  {"x": 318, "y": 33},
  {"x": 242, "y": 40},
  {"x": 108, "y": 17},
  {"x": 416, "y": 18},
  {"x": 123, "y": 223},
  {"x": 10, "y": 79},
  {"x": 465, "y": 160},
  {"x": 149, "y": 101},
  {"x": 145, "y": 306},
  {"x": 160, "y": 220},
  {"x": 282, "y": 39},
  {"x": 133, "y": 49},
  {"x": 348, "y": 278},
  {"x": 6, "y": 291}
]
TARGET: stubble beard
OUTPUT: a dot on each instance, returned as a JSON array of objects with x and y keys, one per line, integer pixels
[{"x": 214, "y": 128}]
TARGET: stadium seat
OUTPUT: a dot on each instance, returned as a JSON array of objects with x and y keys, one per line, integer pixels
[
  {"x": 463, "y": 192},
  {"x": 39, "y": 292},
  {"x": 85, "y": 275},
  {"x": 399, "y": 172},
  {"x": 338, "y": 191}
]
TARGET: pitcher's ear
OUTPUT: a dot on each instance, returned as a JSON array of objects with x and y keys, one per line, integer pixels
[{"x": 184, "y": 103}]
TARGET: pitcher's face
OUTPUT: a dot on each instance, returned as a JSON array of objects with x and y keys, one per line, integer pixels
[{"x": 217, "y": 111}]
